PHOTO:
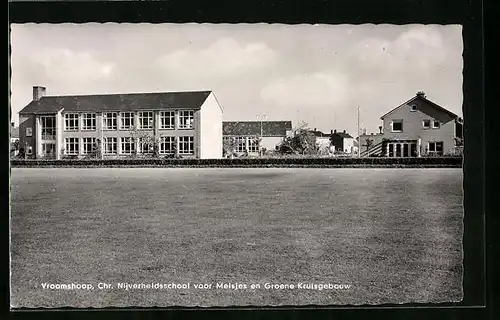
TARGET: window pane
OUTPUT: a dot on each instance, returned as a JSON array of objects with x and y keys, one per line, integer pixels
[
  {"x": 186, "y": 119},
  {"x": 397, "y": 126}
]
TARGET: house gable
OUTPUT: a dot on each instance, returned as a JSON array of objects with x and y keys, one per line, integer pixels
[{"x": 425, "y": 106}]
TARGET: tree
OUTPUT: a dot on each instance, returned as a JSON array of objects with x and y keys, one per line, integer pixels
[
  {"x": 228, "y": 146},
  {"x": 148, "y": 141},
  {"x": 258, "y": 141},
  {"x": 96, "y": 149},
  {"x": 301, "y": 141},
  {"x": 369, "y": 143}
]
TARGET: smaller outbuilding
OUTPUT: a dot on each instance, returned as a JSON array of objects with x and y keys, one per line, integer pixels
[
  {"x": 342, "y": 141},
  {"x": 253, "y": 137}
]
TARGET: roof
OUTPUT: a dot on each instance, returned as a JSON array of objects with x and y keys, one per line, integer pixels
[
  {"x": 341, "y": 134},
  {"x": 423, "y": 98},
  {"x": 253, "y": 128},
  {"x": 14, "y": 132},
  {"x": 118, "y": 102},
  {"x": 320, "y": 134}
]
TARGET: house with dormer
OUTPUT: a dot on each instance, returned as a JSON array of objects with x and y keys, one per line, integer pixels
[{"x": 418, "y": 127}]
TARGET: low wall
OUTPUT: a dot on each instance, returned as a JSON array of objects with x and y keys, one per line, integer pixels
[{"x": 433, "y": 162}]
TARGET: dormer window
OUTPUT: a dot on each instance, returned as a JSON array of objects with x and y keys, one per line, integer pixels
[
  {"x": 413, "y": 107},
  {"x": 436, "y": 124}
]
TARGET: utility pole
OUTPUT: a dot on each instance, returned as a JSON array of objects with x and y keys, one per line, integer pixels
[{"x": 359, "y": 139}]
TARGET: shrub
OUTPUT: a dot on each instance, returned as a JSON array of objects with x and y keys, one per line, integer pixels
[{"x": 250, "y": 162}]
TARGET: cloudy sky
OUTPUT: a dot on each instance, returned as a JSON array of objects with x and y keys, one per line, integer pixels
[{"x": 318, "y": 74}]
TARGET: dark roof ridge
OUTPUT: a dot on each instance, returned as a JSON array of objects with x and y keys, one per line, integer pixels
[{"x": 128, "y": 93}]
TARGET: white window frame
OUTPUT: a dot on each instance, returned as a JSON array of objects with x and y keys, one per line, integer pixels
[
  {"x": 71, "y": 122},
  {"x": 124, "y": 116},
  {"x": 186, "y": 119},
  {"x": 240, "y": 144},
  {"x": 127, "y": 141},
  {"x": 113, "y": 141},
  {"x": 76, "y": 146},
  {"x": 89, "y": 117},
  {"x": 182, "y": 143},
  {"x": 435, "y": 143},
  {"x": 164, "y": 141},
  {"x": 145, "y": 116},
  {"x": 396, "y": 121},
  {"x": 140, "y": 146},
  {"x": 113, "y": 116},
  {"x": 86, "y": 142},
  {"x": 413, "y": 107},
  {"x": 253, "y": 144},
  {"x": 434, "y": 124},
  {"x": 46, "y": 129},
  {"x": 423, "y": 124},
  {"x": 167, "y": 115}
]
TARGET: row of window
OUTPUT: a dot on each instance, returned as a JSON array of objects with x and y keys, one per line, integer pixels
[
  {"x": 397, "y": 125},
  {"x": 244, "y": 144},
  {"x": 127, "y": 120},
  {"x": 406, "y": 149},
  {"x": 167, "y": 145}
]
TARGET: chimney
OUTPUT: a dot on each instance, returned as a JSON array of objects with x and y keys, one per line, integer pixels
[
  {"x": 380, "y": 129},
  {"x": 38, "y": 92},
  {"x": 335, "y": 131},
  {"x": 344, "y": 131},
  {"x": 331, "y": 131},
  {"x": 315, "y": 129},
  {"x": 421, "y": 94}
]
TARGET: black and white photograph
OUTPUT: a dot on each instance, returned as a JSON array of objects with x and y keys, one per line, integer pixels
[{"x": 234, "y": 165}]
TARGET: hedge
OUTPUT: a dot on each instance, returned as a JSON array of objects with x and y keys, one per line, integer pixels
[{"x": 249, "y": 162}]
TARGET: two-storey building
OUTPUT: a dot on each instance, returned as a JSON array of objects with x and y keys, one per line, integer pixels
[
  {"x": 420, "y": 127},
  {"x": 187, "y": 123}
]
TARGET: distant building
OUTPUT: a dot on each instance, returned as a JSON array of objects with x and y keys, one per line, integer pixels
[
  {"x": 419, "y": 127},
  {"x": 371, "y": 144},
  {"x": 14, "y": 139},
  {"x": 14, "y": 133},
  {"x": 248, "y": 137},
  {"x": 186, "y": 123},
  {"x": 343, "y": 142},
  {"x": 323, "y": 140}
]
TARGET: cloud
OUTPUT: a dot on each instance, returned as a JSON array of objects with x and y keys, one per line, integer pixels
[
  {"x": 63, "y": 64},
  {"x": 307, "y": 90},
  {"x": 416, "y": 50},
  {"x": 224, "y": 57}
]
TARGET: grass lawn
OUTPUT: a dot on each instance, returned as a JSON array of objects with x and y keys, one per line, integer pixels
[{"x": 393, "y": 235}]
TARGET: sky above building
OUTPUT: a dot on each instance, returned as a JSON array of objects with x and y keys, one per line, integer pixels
[{"x": 317, "y": 74}]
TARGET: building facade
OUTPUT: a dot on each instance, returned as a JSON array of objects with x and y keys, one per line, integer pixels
[
  {"x": 343, "y": 142},
  {"x": 253, "y": 137},
  {"x": 418, "y": 127},
  {"x": 371, "y": 144},
  {"x": 188, "y": 124},
  {"x": 14, "y": 139},
  {"x": 323, "y": 141}
]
